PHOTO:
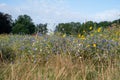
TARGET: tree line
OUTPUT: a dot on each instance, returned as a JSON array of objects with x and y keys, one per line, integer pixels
[
  {"x": 24, "y": 25},
  {"x": 74, "y": 28}
]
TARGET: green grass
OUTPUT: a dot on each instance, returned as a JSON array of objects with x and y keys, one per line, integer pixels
[{"x": 55, "y": 57}]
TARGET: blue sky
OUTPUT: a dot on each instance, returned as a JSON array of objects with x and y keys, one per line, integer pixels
[{"x": 57, "y": 11}]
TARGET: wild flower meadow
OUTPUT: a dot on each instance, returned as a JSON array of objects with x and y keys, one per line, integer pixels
[{"x": 93, "y": 56}]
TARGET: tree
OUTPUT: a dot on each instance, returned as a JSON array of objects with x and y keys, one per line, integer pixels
[
  {"x": 74, "y": 28},
  {"x": 116, "y": 21},
  {"x": 41, "y": 28},
  {"x": 64, "y": 28},
  {"x": 71, "y": 28},
  {"x": 23, "y": 25},
  {"x": 88, "y": 24},
  {"x": 104, "y": 24},
  {"x": 5, "y": 23}
]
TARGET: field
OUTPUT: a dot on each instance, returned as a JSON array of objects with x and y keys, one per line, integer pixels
[{"x": 93, "y": 56}]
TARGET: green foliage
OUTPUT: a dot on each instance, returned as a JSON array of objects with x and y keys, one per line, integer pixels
[
  {"x": 6, "y": 51},
  {"x": 20, "y": 28},
  {"x": 23, "y": 25},
  {"x": 73, "y": 28},
  {"x": 5, "y": 23},
  {"x": 68, "y": 28},
  {"x": 104, "y": 24},
  {"x": 97, "y": 45},
  {"x": 41, "y": 28},
  {"x": 54, "y": 57},
  {"x": 7, "y": 54},
  {"x": 116, "y": 21}
]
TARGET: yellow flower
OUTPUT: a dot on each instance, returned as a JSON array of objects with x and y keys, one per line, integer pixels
[
  {"x": 117, "y": 33},
  {"x": 94, "y": 45},
  {"x": 99, "y": 29},
  {"x": 82, "y": 37},
  {"x": 79, "y": 35},
  {"x": 90, "y": 28},
  {"x": 84, "y": 31},
  {"x": 88, "y": 45},
  {"x": 64, "y": 35},
  {"x": 91, "y": 34}
]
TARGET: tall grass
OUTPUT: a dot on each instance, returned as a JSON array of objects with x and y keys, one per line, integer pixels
[
  {"x": 55, "y": 57},
  {"x": 61, "y": 67}
]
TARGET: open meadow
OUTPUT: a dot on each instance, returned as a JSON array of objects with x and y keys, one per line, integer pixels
[{"x": 93, "y": 56}]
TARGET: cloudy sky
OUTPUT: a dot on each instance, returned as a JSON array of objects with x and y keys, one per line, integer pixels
[{"x": 57, "y": 11}]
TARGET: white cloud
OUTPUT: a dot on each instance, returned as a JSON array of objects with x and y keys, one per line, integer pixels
[
  {"x": 2, "y": 5},
  {"x": 55, "y": 11},
  {"x": 108, "y": 15}
]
